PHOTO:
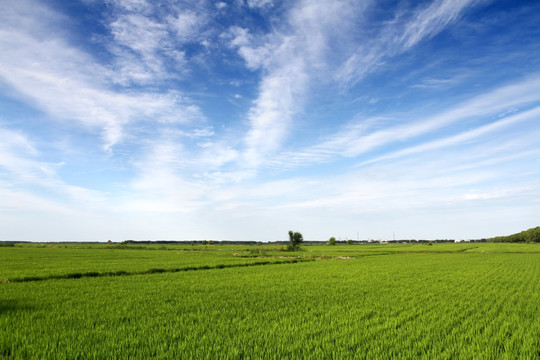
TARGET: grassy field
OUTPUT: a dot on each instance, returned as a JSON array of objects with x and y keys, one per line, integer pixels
[
  {"x": 466, "y": 301},
  {"x": 46, "y": 261}
]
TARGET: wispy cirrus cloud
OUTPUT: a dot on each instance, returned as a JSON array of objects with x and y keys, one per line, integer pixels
[
  {"x": 289, "y": 59},
  {"x": 20, "y": 165},
  {"x": 292, "y": 57},
  {"x": 144, "y": 38},
  {"x": 400, "y": 35},
  {"x": 71, "y": 86},
  {"x": 466, "y": 136},
  {"x": 148, "y": 44},
  {"x": 259, "y": 3},
  {"x": 431, "y": 20},
  {"x": 364, "y": 135}
]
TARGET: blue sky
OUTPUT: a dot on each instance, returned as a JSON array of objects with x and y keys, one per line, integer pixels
[{"x": 243, "y": 119}]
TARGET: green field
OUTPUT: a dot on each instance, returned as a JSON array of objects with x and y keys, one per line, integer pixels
[{"x": 459, "y": 301}]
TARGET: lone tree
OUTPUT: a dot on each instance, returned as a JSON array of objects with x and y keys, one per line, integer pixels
[
  {"x": 332, "y": 241},
  {"x": 295, "y": 239}
]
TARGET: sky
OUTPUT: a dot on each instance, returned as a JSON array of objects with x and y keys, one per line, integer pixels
[{"x": 244, "y": 119}]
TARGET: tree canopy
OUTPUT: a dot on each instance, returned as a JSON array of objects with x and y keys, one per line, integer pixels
[
  {"x": 528, "y": 236},
  {"x": 295, "y": 239}
]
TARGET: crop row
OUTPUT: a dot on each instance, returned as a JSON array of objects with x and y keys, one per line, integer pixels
[
  {"x": 56, "y": 260},
  {"x": 78, "y": 275},
  {"x": 59, "y": 262}
]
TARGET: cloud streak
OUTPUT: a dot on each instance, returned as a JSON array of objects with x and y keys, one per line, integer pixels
[
  {"x": 363, "y": 135},
  {"x": 72, "y": 87},
  {"x": 400, "y": 35},
  {"x": 289, "y": 58},
  {"x": 20, "y": 166}
]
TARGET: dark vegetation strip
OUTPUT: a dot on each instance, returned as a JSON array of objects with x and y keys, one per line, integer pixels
[
  {"x": 527, "y": 236},
  {"x": 78, "y": 275}
]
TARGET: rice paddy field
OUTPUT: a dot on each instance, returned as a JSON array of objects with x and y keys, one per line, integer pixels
[{"x": 402, "y": 301}]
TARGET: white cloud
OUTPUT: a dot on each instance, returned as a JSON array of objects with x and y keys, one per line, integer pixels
[
  {"x": 139, "y": 33},
  {"x": 69, "y": 85},
  {"x": 279, "y": 99},
  {"x": 399, "y": 36},
  {"x": 14, "y": 141},
  {"x": 143, "y": 47},
  {"x": 259, "y": 3},
  {"x": 18, "y": 158},
  {"x": 254, "y": 56},
  {"x": 148, "y": 45},
  {"x": 485, "y": 196},
  {"x": 428, "y": 22},
  {"x": 216, "y": 155},
  {"x": 159, "y": 184},
  {"x": 466, "y": 136},
  {"x": 142, "y": 6},
  {"x": 289, "y": 59},
  {"x": 186, "y": 25},
  {"x": 363, "y": 135},
  {"x": 21, "y": 168},
  {"x": 15, "y": 200},
  {"x": 439, "y": 83}
]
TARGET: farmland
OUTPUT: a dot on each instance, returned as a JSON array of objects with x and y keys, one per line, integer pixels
[{"x": 462, "y": 301}]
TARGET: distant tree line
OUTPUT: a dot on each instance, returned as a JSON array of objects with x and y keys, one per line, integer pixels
[
  {"x": 189, "y": 242},
  {"x": 415, "y": 241},
  {"x": 527, "y": 236}
]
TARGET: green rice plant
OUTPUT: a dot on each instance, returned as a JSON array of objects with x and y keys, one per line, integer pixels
[
  {"x": 412, "y": 304},
  {"x": 20, "y": 263}
]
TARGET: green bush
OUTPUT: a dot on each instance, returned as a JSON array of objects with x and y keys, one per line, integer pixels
[{"x": 295, "y": 239}]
